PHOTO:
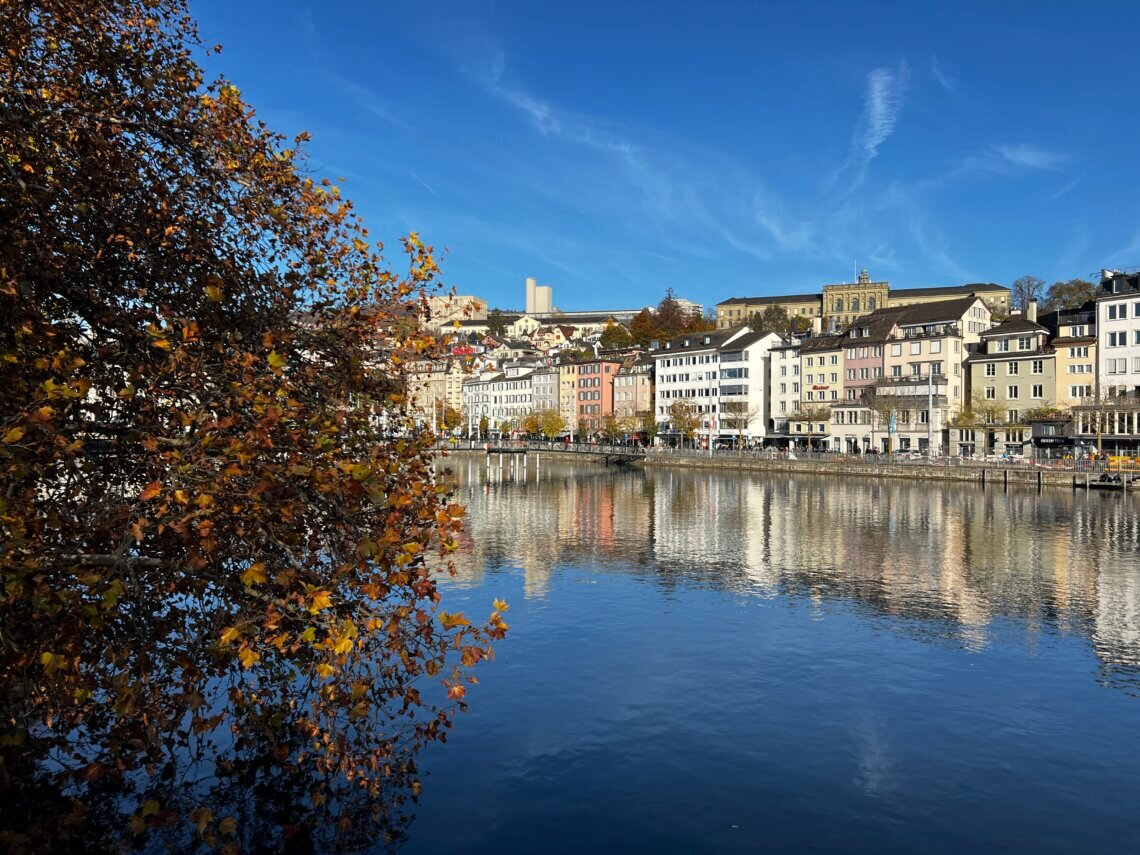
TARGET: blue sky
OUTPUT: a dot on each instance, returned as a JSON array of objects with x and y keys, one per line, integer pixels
[{"x": 723, "y": 149}]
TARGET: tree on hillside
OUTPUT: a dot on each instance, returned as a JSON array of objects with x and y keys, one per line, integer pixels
[
  {"x": 497, "y": 323},
  {"x": 800, "y": 324},
  {"x": 615, "y": 336},
  {"x": 671, "y": 319},
  {"x": 643, "y": 328},
  {"x": 219, "y": 614},
  {"x": 772, "y": 319},
  {"x": 1069, "y": 295},
  {"x": 1024, "y": 289}
]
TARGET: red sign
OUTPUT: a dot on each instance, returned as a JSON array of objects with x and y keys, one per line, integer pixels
[{"x": 820, "y": 387}]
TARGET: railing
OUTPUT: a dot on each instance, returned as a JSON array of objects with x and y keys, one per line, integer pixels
[{"x": 908, "y": 458}]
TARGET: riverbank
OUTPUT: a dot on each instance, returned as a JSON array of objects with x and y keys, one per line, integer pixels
[{"x": 985, "y": 475}]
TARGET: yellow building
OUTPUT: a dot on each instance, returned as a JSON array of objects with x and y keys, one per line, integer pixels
[
  {"x": 844, "y": 302},
  {"x": 1075, "y": 348}
]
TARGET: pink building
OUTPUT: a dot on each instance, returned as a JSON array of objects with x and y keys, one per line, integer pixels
[{"x": 596, "y": 391}]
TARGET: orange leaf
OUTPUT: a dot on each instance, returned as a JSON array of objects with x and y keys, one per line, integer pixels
[{"x": 150, "y": 491}]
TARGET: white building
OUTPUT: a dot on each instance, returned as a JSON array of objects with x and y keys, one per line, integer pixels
[
  {"x": 1118, "y": 334},
  {"x": 722, "y": 376},
  {"x": 784, "y": 385},
  {"x": 504, "y": 397}
]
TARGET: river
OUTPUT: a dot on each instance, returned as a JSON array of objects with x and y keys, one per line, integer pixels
[{"x": 710, "y": 661}]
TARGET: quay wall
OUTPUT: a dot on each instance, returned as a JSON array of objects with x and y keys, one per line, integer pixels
[{"x": 988, "y": 475}]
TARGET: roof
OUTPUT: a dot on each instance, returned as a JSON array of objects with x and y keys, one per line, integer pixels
[
  {"x": 944, "y": 311},
  {"x": 1123, "y": 283},
  {"x": 823, "y": 342},
  {"x": 880, "y": 322},
  {"x": 1014, "y": 326},
  {"x": 696, "y": 341},
  {"x": 772, "y": 300},
  {"x": 1074, "y": 339},
  {"x": 940, "y": 290},
  {"x": 746, "y": 340}
]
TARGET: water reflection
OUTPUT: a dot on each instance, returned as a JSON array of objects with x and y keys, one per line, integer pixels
[{"x": 944, "y": 563}]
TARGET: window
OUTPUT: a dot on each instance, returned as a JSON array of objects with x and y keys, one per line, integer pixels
[
  {"x": 1014, "y": 417},
  {"x": 1011, "y": 369},
  {"x": 936, "y": 346},
  {"x": 834, "y": 360},
  {"x": 923, "y": 417},
  {"x": 896, "y": 371},
  {"x": 896, "y": 350},
  {"x": 854, "y": 304},
  {"x": 1080, "y": 391},
  {"x": 1038, "y": 391},
  {"x": 1011, "y": 393},
  {"x": 1136, "y": 335},
  {"x": 1079, "y": 352},
  {"x": 915, "y": 348},
  {"x": 864, "y": 374},
  {"x": 916, "y": 369},
  {"x": 1038, "y": 367},
  {"x": 991, "y": 393},
  {"x": 1025, "y": 342},
  {"x": 834, "y": 378},
  {"x": 1002, "y": 345},
  {"x": 991, "y": 369},
  {"x": 851, "y": 373},
  {"x": 1112, "y": 310}
]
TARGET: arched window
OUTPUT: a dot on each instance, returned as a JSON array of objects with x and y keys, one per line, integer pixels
[
  {"x": 870, "y": 304},
  {"x": 839, "y": 305},
  {"x": 854, "y": 304}
]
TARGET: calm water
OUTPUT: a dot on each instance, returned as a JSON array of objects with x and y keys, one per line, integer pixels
[{"x": 706, "y": 661}]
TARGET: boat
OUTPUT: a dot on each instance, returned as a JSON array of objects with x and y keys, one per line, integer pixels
[{"x": 1110, "y": 481}]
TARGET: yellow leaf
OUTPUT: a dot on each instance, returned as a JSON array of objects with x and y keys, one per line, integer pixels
[
  {"x": 248, "y": 657},
  {"x": 227, "y": 826},
  {"x": 275, "y": 359},
  {"x": 136, "y": 824},
  {"x": 325, "y": 670},
  {"x": 255, "y": 575},
  {"x": 343, "y": 646},
  {"x": 150, "y": 807},
  {"x": 14, "y": 435},
  {"x": 229, "y": 634},
  {"x": 181, "y": 497},
  {"x": 320, "y": 601},
  {"x": 500, "y": 605},
  {"x": 309, "y": 634},
  {"x": 213, "y": 293}
]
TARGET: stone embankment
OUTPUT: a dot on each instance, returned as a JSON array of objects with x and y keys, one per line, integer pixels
[{"x": 989, "y": 475}]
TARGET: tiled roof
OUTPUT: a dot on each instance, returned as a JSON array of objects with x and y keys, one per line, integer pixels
[
  {"x": 941, "y": 290},
  {"x": 1014, "y": 326},
  {"x": 772, "y": 300}
]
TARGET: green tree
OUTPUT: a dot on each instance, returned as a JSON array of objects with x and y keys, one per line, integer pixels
[
  {"x": 772, "y": 319},
  {"x": 671, "y": 320},
  {"x": 800, "y": 324},
  {"x": 1024, "y": 289},
  {"x": 615, "y": 336},
  {"x": 497, "y": 323},
  {"x": 648, "y": 421},
  {"x": 1069, "y": 295},
  {"x": 218, "y": 565}
]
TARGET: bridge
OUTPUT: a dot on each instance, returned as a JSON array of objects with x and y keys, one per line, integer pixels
[{"x": 609, "y": 454}]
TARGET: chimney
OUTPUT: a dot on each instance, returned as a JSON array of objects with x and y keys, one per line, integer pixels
[
  {"x": 1031, "y": 312},
  {"x": 816, "y": 326}
]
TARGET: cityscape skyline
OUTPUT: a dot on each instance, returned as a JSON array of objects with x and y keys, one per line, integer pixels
[{"x": 708, "y": 153}]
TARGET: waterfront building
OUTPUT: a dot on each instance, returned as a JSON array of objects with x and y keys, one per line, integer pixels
[
  {"x": 821, "y": 367},
  {"x": 633, "y": 387},
  {"x": 721, "y": 376},
  {"x": 784, "y": 389},
  {"x": 434, "y": 385},
  {"x": 1118, "y": 334},
  {"x": 504, "y": 398},
  {"x": 1075, "y": 346},
  {"x": 596, "y": 392},
  {"x": 545, "y": 388},
  {"x": 1013, "y": 375},
  {"x": 846, "y": 302},
  {"x": 568, "y": 394}
]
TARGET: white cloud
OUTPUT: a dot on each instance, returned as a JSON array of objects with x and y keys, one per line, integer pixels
[
  {"x": 942, "y": 77},
  {"x": 882, "y": 104},
  {"x": 1031, "y": 157}
]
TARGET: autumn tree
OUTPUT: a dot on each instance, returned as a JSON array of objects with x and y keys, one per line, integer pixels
[
  {"x": 1069, "y": 295},
  {"x": 219, "y": 615},
  {"x": 452, "y": 418},
  {"x": 531, "y": 423},
  {"x": 1024, "y": 289},
  {"x": 484, "y": 426},
  {"x": 551, "y": 423},
  {"x": 772, "y": 319},
  {"x": 643, "y": 328},
  {"x": 648, "y": 422},
  {"x": 683, "y": 416},
  {"x": 612, "y": 428}
]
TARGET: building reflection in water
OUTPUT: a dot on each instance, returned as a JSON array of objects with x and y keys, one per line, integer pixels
[{"x": 943, "y": 562}]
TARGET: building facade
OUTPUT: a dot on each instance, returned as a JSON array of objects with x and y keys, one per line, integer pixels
[{"x": 595, "y": 392}]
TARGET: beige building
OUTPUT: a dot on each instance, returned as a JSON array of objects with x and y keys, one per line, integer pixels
[
  {"x": 1075, "y": 349},
  {"x": 845, "y": 302},
  {"x": 1014, "y": 371},
  {"x": 633, "y": 387},
  {"x": 434, "y": 385}
]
